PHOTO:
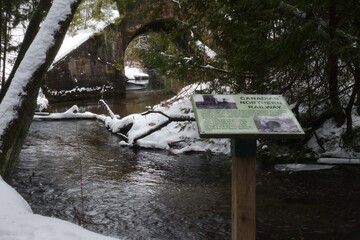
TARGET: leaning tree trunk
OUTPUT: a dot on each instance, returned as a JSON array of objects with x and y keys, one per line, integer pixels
[
  {"x": 1, "y": 23},
  {"x": 18, "y": 106},
  {"x": 4, "y": 24},
  {"x": 37, "y": 18}
]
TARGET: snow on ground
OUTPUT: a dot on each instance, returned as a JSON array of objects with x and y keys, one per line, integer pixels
[
  {"x": 132, "y": 72},
  {"x": 18, "y": 222},
  {"x": 339, "y": 160}
]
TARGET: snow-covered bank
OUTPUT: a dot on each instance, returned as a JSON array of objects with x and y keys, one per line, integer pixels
[
  {"x": 328, "y": 142},
  {"x": 135, "y": 72},
  {"x": 177, "y": 137},
  {"x": 18, "y": 222},
  {"x": 339, "y": 160}
]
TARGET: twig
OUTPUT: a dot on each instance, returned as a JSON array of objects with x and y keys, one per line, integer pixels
[{"x": 112, "y": 115}]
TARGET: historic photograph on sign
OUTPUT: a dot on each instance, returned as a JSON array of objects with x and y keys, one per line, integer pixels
[
  {"x": 276, "y": 124},
  {"x": 215, "y": 102}
]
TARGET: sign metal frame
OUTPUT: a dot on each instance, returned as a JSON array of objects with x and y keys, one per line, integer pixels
[{"x": 244, "y": 116}]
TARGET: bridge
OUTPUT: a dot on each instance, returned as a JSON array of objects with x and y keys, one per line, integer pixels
[{"x": 99, "y": 61}]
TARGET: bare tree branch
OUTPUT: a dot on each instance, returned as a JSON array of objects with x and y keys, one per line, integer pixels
[{"x": 160, "y": 126}]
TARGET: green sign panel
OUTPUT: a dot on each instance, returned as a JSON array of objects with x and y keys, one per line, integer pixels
[{"x": 244, "y": 115}]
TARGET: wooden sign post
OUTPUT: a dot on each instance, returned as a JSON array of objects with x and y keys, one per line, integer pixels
[
  {"x": 244, "y": 118},
  {"x": 243, "y": 189}
]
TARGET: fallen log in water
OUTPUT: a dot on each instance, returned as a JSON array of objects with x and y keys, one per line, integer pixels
[{"x": 71, "y": 114}]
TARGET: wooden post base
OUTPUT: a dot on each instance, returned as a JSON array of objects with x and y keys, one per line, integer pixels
[{"x": 243, "y": 189}]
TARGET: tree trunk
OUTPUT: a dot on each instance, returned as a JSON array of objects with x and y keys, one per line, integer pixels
[
  {"x": 350, "y": 105},
  {"x": 18, "y": 106},
  {"x": 4, "y": 49},
  {"x": 333, "y": 67},
  {"x": 1, "y": 23},
  {"x": 358, "y": 102},
  {"x": 41, "y": 10}
]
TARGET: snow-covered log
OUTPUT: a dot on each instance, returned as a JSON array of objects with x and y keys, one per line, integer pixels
[{"x": 72, "y": 113}]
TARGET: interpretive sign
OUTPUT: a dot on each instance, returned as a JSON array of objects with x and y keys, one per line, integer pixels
[{"x": 244, "y": 115}]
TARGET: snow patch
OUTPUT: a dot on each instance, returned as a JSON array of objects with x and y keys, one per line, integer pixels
[
  {"x": 295, "y": 167},
  {"x": 339, "y": 160},
  {"x": 208, "y": 51},
  {"x": 72, "y": 42},
  {"x": 327, "y": 141},
  {"x": 132, "y": 73}
]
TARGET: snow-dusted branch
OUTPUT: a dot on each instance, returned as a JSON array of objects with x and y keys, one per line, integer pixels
[
  {"x": 161, "y": 125},
  {"x": 173, "y": 119},
  {"x": 112, "y": 115}
]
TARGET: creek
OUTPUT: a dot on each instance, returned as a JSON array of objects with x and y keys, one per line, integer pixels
[{"x": 76, "y": 170}]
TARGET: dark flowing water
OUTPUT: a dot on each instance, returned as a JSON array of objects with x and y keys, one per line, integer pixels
[
  {"x": 75, "y": 170},
  {"x": 148, "y": 195}
]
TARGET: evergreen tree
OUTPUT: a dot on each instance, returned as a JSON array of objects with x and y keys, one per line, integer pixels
[
  {"x": 90, "y": 12},
  {"x": 13, "y": 14},
  {"x": 306, "y": 50}
]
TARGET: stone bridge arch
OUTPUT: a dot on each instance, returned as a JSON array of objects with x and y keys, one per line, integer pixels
[{"x": 99, "y": 61}]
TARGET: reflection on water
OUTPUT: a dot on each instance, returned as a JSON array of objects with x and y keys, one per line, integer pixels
[{"x": 135, "y": 102}]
